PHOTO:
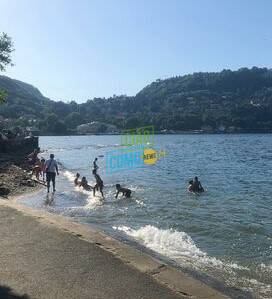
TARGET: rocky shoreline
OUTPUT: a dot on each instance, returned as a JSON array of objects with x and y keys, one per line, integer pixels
[{"x": 15, "y": 179}]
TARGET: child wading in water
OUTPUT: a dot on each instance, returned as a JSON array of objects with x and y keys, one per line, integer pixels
[
  {"x": 76, "y": 181},
  {"x": 84, "y": 184}
]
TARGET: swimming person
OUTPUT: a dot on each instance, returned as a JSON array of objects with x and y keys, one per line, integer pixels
[
  {"x": 197, "y": 187},
  {"x": 99, "y": 184},
  {"x": 76, "y": 179},
  {"x": 126, "y": 192},
  {"x": 51, "y": 168},
  {"x": 84, "y": 184},
  {"x": 190, "y": 187}
]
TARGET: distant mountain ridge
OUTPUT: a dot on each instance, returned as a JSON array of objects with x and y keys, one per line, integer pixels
[
  {"x": 19, "y": 88},
  {"x": 240, "y": 101}
]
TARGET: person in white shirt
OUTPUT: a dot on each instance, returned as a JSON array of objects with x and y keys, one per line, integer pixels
[{"x": 51, "y": 168}]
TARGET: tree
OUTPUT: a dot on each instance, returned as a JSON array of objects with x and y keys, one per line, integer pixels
[
  {"x": 51, "y": 121},
  {"x": 3, "y": 96},
  {"x": 6, "y": 47},
  {"x": 59, "y": 128},
  {"x": 72, "y": 120}
]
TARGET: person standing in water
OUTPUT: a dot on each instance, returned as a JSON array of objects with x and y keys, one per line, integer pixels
[
  {"x": 99, "y": 184},
  {"x": 95, "y": 167},
  {"x": 51, "y": 168},
  {"x": 76, "y": 180},
  {"x": 43, "y": 168}
]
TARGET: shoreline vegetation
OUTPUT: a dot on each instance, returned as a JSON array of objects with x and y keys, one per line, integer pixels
[
  {"x": 195, "y": 132},
  {"x": 216, "y": 102}
]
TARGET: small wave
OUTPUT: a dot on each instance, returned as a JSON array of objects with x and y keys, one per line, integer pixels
[
  {"x": 69, "y": 175},
  {"x": 180, "y": 247},
  {"x": 140, "y": 202},
  {"x": 264, "y": 290},
  {"x": 266, "y": 268},
  {"x": 80, "y": 147},
  {"x": 168, "y": 242},
  {"x": 92, "y": 201},
  {"x": 105, "y": 145},
  {"x": 176, "y": 245}
]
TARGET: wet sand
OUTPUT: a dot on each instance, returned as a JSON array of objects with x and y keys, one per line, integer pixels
[{"x": 49, "y": 256}]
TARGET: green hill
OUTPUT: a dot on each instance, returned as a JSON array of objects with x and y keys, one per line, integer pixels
[
  {"x": 23, "y": 99},
  {"x": 237, "y": 100}
]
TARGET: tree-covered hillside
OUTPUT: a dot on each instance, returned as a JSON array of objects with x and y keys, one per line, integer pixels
[{"x": 236, "y": 100}]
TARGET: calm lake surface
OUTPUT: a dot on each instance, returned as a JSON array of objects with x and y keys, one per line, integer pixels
[{"x": 226, "y": 232}]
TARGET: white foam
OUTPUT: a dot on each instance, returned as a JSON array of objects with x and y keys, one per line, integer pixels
[
  {"x": 168, "y": 242},
  {"x": 69, "y": 175},
  {"x": 140, "y": 202},
  {"x": 267, "y": 268},
  {"x": 264, "y": 290},
  {"x": 176, "y": 245},
  {"x": 92, "y": 201}
]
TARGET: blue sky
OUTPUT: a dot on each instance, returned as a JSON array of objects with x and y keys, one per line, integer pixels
[{"x": 76, "y": 50}]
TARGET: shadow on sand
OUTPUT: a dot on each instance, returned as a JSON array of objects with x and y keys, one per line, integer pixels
[{"x": 7, "y": 293}]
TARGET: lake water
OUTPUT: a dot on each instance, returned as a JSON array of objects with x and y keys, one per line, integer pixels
[{"x": 225, "y": 233}]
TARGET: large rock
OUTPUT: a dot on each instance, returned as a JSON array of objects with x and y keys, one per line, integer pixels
[
  {"x": 22, "y": 145},
  {"x": 4, "y": 191}
]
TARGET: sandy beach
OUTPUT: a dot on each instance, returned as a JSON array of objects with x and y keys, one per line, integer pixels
[{"x": 49, "y": 256}]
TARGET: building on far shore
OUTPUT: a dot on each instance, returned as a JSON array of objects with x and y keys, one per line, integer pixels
[
  {"x": 207, "y": 129},
  {"x": 96, "y": 127},
  {"x": 32, "y": 131},
  {"x": 221, "y": 129}
]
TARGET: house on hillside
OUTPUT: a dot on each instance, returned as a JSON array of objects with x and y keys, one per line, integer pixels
[
  {"x": 221, "y": 129},
  {"x": 96, "y": 127},
  {"x": 207, "y": 129},
  {"x": 32, "y": 131}
]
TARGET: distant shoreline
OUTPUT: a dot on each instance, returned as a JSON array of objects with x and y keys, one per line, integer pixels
[{"x": 159, "y": 133}]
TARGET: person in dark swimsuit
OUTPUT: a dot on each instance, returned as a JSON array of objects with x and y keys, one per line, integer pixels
[
  {"x": 95, "y": 167},
  {"x": 126, "y": 192},
  {"x": 84, "y": 184},
  {"x": 190, "y": 186},
  {"x": 99, "y": 183},
  {"x": 76, "y": 180},
  {"x": 197, "y": 187}
]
